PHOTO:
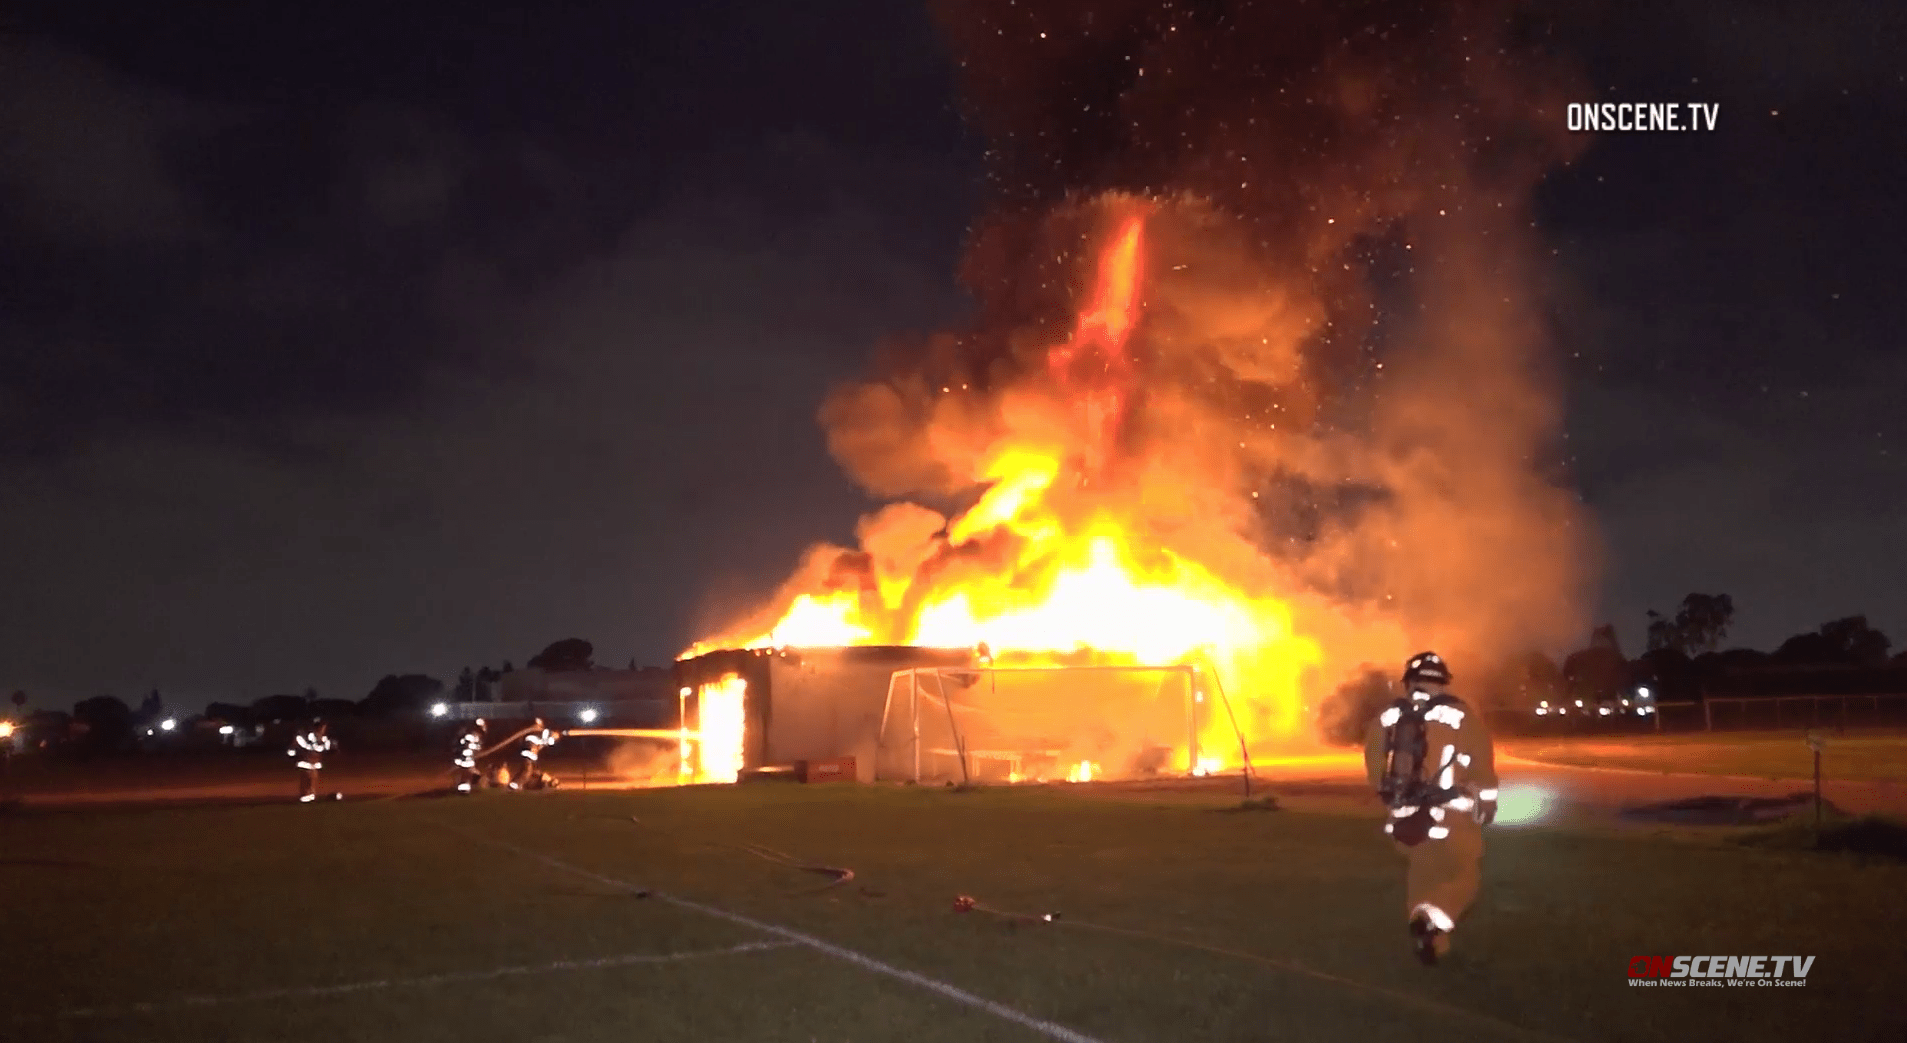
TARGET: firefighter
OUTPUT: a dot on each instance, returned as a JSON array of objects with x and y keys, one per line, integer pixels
[
  {"x": 1429, "y": 757},
  {"x": 308, "y": 749},
  {"x": 468, "y": 745},
  {"x": 531, "y": 775}
]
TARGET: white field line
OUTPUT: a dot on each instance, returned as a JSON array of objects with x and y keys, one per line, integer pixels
[
  {"x": 867, "y": 963},
  {"x": 448, "y": 978},
  {"x": 1045, "y": 1028}
]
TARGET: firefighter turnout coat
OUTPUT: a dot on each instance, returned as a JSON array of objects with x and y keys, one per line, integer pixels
[
  {"x": 308, "y": 749},
  {"x": 469, "y": 744},
  {"x": 1438, "y": 822},
  {"x": 536, "y": 742}
]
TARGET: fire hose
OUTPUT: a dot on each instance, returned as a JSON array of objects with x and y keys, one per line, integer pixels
[
  {"x": 841, "y": 875},
  {"x": 969, "y": 904},
  {"x": 501, "y": 744},
  {"x": 627, "y": 733},
  {"x": 504, "y": 744}
]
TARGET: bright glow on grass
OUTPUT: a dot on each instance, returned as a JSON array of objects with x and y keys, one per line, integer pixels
[{"x": 1521, "y": 805}]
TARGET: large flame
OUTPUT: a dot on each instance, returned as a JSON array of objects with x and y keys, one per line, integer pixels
[
  {"x": 1287, "y": 415},
  {"x": 1042, "y": 576},
  {"x": 712, "y": 751}
]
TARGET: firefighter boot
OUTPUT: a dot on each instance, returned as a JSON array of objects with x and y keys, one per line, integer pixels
[
  {"x": 1442, "y": 881},
  {"x": 1424, "y": 939}
]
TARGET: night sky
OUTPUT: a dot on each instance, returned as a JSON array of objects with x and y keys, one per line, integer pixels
[{"x": 354, "y": 339}]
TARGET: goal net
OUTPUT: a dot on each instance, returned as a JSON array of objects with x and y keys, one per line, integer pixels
[{"x": 1033, "y": 724}]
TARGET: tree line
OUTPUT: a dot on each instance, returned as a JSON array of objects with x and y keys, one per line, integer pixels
[
  {"x": 1686, "y": 660},
  {"x": 110, "y": 721}
]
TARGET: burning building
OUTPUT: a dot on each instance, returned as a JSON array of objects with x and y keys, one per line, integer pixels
[
  {"x": 1254, "y": 394},
  {"x": 755, "y": 709},
  {"x": 910, "y": 713}
]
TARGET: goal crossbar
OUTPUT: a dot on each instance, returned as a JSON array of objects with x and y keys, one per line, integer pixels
[{"x": 910, "y": 687}]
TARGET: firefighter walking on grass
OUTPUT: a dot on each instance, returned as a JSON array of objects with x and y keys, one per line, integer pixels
[
  {"x": 308, "y": 748},
  {"x": 1429, "y": 757},
  {"x": 530, "y": 774},
  {"x": 469, "y": 744}
]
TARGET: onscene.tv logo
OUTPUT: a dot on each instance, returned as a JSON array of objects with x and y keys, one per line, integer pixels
[{"x": 1720, "y": 971}]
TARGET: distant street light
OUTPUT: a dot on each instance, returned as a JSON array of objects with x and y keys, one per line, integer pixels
[
  {"x": 588, "y": 715},
  {"x": 226, "y": 729},
  {"x": 439, "y": 709},
  {"x": 168, "y": 724}
]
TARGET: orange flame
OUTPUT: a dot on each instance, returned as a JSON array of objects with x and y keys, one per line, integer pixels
[
  {"x": 1042, "y": 565},
  {"x": 1093, "y": 367},
  {"x": 712, "y": 751}
]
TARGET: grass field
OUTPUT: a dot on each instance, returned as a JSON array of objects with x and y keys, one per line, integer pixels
[
  {"x": 516, "y": 917},
  {"x": 1856, "y": 757}
]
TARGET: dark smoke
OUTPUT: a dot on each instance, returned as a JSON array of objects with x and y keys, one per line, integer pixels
[{"x": 1343, "y": 395}]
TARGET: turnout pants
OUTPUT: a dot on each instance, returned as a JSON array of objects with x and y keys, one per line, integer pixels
[
  {"x": 308, "y": 784},
  {"x": 1444, "y": 872}
]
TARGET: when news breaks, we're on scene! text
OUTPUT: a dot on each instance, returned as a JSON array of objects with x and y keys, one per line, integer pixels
[
  {"x": 1720, "y": 971},
  {"x": 1673, "y": 116}
]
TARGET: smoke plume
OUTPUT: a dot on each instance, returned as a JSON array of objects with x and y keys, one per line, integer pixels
[{"x": 1337, "y": 392}]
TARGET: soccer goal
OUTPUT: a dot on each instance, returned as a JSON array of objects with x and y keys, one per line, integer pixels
[{"x": 1050, "y": 723}]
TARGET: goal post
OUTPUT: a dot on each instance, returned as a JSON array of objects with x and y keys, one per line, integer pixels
[{"x": 1027, "y": 723}]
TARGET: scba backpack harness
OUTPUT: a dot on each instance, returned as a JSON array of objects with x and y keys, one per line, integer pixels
[{"x": 1406, "y": 789}]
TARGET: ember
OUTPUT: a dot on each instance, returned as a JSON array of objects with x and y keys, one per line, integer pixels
[
  {"x": 1281, "y": 414},
  {"x": 1018, "y": 572}
]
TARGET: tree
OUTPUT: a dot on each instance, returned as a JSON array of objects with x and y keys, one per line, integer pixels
[
  {"x": 1598, "y": 673},
  {"x": 1841, "y": 642},
  {"x": 1668, "y": 672},
  {"x": 333, "y": 709},
  {"x": 1662, "y": 633},
  {"x": 1516, "y": 681},
  {"x": 107, "y": 718},
  {"x": 570, "y": 655},
  {"x": 1699, "y": 625},
  {"x": 1857, "y": 643},
  {"x": 230, "y": 713},
  {"x": 397, "y": 695},
  {"x": 466, "y": 690},
  {"x": 1809, "y": 649},
  {"x": 274, "y": 708},
  {"x": 1541, "y": 679}
]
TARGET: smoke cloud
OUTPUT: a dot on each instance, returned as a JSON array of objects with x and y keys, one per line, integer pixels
[{"x": 1338, "y": 391}]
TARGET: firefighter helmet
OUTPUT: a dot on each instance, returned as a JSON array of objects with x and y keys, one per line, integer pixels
[{"x": 1426, "y": 666}]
